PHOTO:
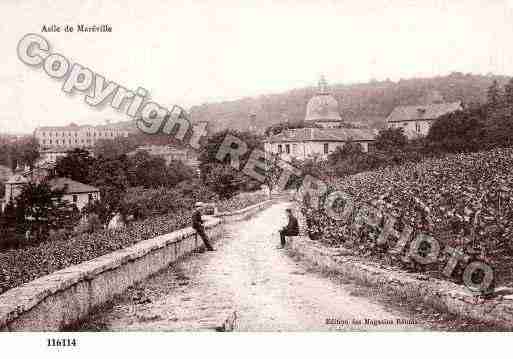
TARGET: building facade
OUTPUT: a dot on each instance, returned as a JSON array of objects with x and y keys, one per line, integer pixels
[
  {"x": 74, "y": 136},
  {"x": 417, "y": 120},
  {"x": 324, "y": 133},
  {"x": 76, "y": 193},
  {"x": 309, "y": 142}
]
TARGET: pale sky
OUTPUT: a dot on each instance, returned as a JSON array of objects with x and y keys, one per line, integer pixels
[{"x": 191, "y": 52}]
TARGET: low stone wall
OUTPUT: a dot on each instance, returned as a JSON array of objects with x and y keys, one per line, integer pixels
[
  {"x": 245, "y": 213},
  {"x": 59, "y": 299},
  {"x": 64, "y": 297},
  {"x": 443, "y": 295}
]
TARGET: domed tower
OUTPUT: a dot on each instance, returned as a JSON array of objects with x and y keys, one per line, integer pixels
[{"x": 322, "y": 109}]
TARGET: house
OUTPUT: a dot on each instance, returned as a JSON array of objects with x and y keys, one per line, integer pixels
[
  {"x": 13, "y": 188},
  {"x": 75, "y": 192},
  {"x": 306, "y": 142},
  {"x": 417, "y": 120},
  {"x": 324, "y": 133}
]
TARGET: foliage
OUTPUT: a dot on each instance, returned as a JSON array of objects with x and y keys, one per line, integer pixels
[
  {"x": 151, "y": 171},
  {"x": 76, "y": 165},
  {"x": 24, "y": 151},
  {"x": 242, "y": 200},
  {"x": 391, "y": 139},
  {"x": 114, "y": 148},
  {"x": 460, "y": 131},
  {"x": 463, "y": 200},
  {"x": 37, "y": 211},
  {"x": 166, "y": 210},
  {"x": 220, "y": 176}
]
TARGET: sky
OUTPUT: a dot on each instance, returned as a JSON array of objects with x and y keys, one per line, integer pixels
[{"x": 193, "y": 52}]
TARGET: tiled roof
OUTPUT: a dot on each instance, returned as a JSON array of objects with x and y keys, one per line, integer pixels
[
  {"x": 71, "y": 186},
  {"x": 423, "y": 112},
  {"x": 323, "y": 134}
]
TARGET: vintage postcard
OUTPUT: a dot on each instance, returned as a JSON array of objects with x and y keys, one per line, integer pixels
[{"x": 257, "y": 166}]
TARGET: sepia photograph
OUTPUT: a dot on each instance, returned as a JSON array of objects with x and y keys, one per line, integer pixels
[{"x": 172, "y": 170}]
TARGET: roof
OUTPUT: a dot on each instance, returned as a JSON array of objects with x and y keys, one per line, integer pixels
[
  {"x": 17, "y": 179},
  {"x": 423, "y": 112},
  {"x": 323, "y": 135},
  {"x": 124, "y": 126},
  {"x": 71, "y": 186}
]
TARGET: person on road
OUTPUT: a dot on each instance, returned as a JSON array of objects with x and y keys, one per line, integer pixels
[
  {"x": 292, "y": 228},
  {"x": 197, "y": 224}
]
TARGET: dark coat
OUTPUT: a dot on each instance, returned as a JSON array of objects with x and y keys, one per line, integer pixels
[
  {"x": 292, "y": 228},
  {"x": 197, "y": 221}
]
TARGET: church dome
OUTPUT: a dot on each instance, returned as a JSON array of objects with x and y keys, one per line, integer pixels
[{"x": 323, "y": 107}]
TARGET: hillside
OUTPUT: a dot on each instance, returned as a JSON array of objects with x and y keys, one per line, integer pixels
[
  {"x": 367, "y": 103},
  {"x": 461, "y": 200}
]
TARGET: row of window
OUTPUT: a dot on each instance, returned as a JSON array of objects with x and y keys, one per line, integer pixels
[
  {"x": 75, "y": 134},
  {"x": 405, "y": 124},
  {"x": 64, "y": 142},
  {"x": 287, "y": 148}
]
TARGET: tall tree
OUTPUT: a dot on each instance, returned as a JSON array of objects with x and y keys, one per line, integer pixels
[
  {"x": 495, "y": 103},
  {"x": 76, "y": 166},
  {"x": 42, "y": 208},
  {"x": 508, "y": 103}
]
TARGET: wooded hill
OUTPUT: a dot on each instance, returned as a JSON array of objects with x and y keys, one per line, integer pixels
[{"x": 366, "y": 103}]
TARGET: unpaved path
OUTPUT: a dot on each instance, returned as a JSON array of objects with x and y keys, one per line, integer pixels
[{"x": 248, "y": 275}]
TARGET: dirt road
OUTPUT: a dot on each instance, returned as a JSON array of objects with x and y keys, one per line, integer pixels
[{"x": 247, "y": 275}]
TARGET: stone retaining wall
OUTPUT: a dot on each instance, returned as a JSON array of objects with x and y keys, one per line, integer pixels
[
  {"x": 62, "y": 298},
  {"x": 245, "y": 213},
  {"x": 443, "y": 295}
]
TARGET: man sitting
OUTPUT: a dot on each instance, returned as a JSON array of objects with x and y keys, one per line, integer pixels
[{"x": 292, "y": 228}]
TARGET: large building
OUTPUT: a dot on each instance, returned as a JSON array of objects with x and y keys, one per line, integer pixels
[
  {"x": 75, "y": 136},
  {"x": 417, "y": 120},
  {"x": 324, "y": 134}
]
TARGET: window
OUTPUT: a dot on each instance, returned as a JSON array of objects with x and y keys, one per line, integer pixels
[
  {"x": 280, "y": 149},
  {"x": 294, "y": 148},
  {"x": 417, "y": 126},
  {"x": 90, "y": 197},
  {"x": 287, "y": 148},
  {"x": 75, "y": 198},
  {"x": 326, "y": 148}
]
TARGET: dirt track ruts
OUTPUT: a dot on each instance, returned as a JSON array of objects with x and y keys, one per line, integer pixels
[{"x": 248, "y": 275}]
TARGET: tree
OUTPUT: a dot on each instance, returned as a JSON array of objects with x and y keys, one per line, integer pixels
[
  {"x": 494, "y": 102},
  {"x": 224, "y": 180},
  {"x": 41, "y": 209},
  {"x": 114, "y": 148},
  {"x": 508, "y": 103},
  {"x": 391, "y": 139},
  {"x": 458, "y": 131},
  {"x": 29, "y": 152},
  {"x": 76, "y": 166},
  {"x": 152, "y": 171},
  {"x": 211, "y": 167},
  {"x": 110, "y": 175}
]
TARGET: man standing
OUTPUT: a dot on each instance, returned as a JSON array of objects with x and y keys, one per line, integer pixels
[
  {"x": 197, "y": 224},
  {"x": 292, "y": 228}
]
